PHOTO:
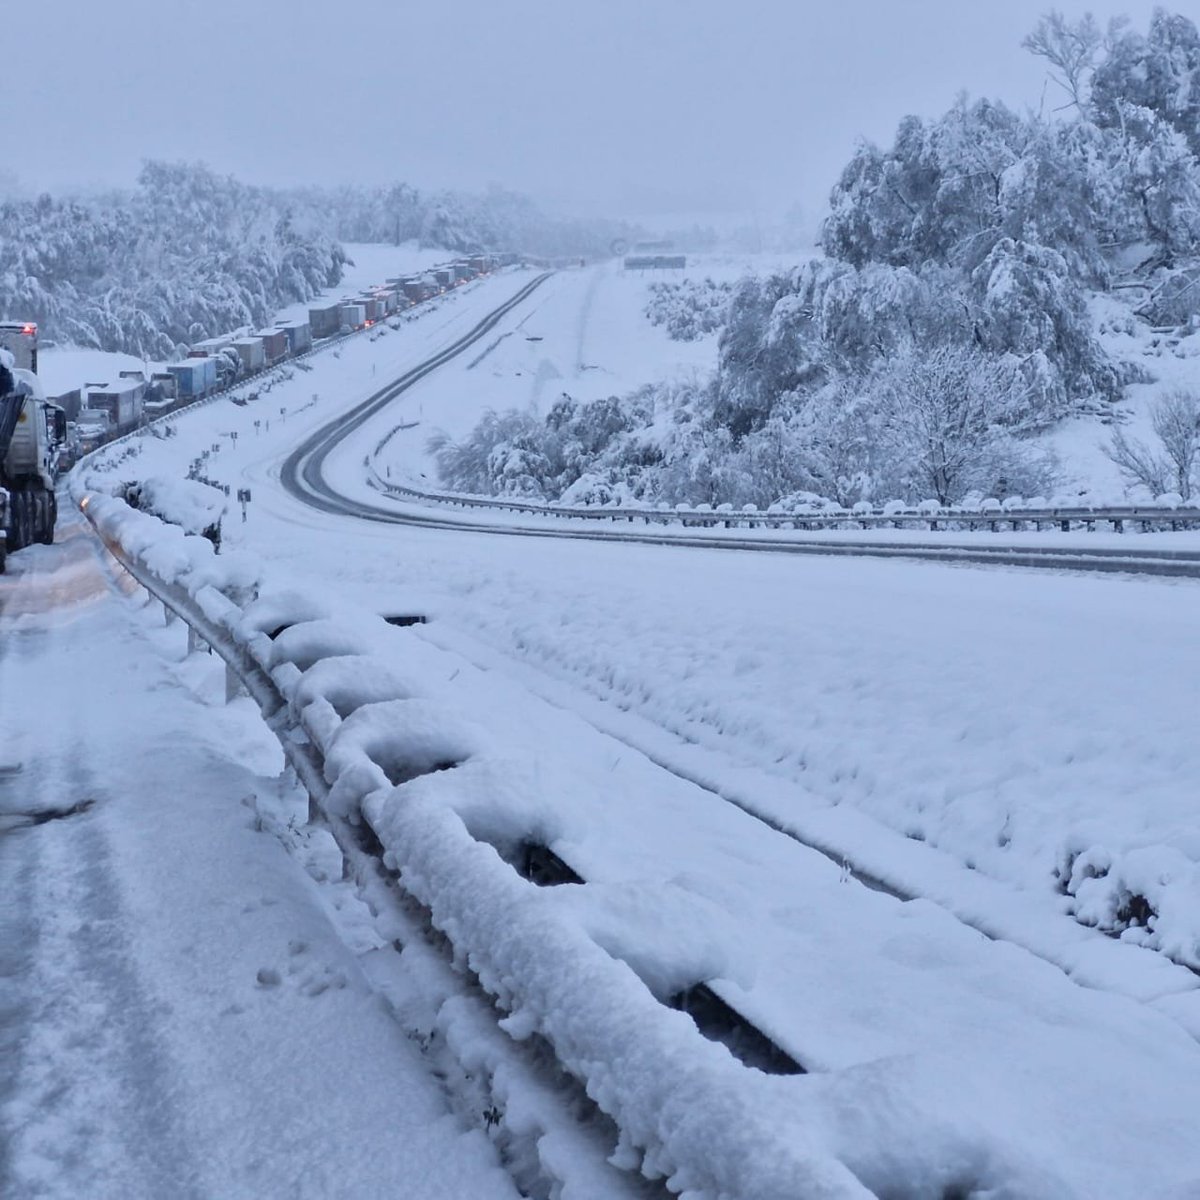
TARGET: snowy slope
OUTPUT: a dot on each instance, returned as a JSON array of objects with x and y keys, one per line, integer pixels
[
  {"x": 585, "y": 334},
  {"x": 1169, "y": 361}
]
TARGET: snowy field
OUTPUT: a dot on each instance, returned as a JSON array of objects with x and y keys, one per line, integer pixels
[
  {"x": 936, "y": 1056},
  {"x": 991, "y": 715},
  {"x": 988, "y": 739}
]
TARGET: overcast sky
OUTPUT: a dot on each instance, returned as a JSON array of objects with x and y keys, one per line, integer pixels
[{"x": 616, "y": 107}]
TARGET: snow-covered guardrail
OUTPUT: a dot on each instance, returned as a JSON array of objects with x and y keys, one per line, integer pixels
[
  {"x": 1165, "y": 513},
  {"x": 376, "y": 754}
]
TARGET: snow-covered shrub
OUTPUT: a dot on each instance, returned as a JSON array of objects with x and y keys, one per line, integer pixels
[
  {"x": 690, "y": 309},
  {"x": 1169, "y": 466},
  {"x": 196, "y": 508},
  {"x": 589, "y": 490}
]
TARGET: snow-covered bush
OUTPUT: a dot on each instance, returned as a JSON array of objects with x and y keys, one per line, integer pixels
[
  {"x": 1170, "y": 465},
  {"x": 690, "y": 309},
  {"x": 197, "y": 508}
]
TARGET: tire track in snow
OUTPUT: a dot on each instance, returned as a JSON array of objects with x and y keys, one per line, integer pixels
[{"x": 86, "y": 1101}]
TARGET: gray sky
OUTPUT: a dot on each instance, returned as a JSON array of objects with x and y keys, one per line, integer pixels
[{"x": 618, "y": 107}]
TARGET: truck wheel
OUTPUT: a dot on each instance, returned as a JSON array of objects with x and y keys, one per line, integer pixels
[
  {"x": 45, "y": 516},
  {"x": 29, "y": 534},
  {"x": 19, "y": 534}
]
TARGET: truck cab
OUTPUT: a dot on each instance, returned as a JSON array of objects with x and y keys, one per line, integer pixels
[{"x": 33, "y": 434}]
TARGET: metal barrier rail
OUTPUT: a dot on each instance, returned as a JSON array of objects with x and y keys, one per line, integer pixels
[{"x": 941, "y": 519}]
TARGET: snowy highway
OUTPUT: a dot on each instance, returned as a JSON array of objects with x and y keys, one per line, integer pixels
[{"x": 723, "y": 744}]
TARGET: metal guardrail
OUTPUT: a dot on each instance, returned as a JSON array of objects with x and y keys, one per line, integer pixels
[{"x": 941, "y": 519}]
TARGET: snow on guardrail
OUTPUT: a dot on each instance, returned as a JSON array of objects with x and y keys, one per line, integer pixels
[{"x": 1164, "y": 512}]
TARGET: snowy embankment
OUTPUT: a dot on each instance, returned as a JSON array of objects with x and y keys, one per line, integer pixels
[{"x": 939, "y": 1060}]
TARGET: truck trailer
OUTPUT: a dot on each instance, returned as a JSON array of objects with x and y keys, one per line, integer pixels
[
  {"x": 195, "y": 378},
  {"x": 20, "y": 339},
  {"x": 275, "y": 344},
  {"x": 299, "y": 336},
  {"x": 121, "y": 402},
  {"x": 325, "y": 319},
  {"x": 252, "y": 352},
  {"x": 353, "y": 314}
]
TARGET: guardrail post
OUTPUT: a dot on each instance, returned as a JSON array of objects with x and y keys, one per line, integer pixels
[
  {"x": 1118, "y": 526},
  {"x": 195, "y": 641},
  {"x": 168, "y": 614},
  {"x": 1065, "y": 525},
  {"x": 233, "y": 685}
]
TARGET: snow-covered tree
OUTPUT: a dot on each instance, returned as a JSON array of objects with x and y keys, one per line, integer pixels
[
  {"x": 1170, "y": 466},
  {"x": 187, "y": 255},
  {"x": 1158, "y": 71}
]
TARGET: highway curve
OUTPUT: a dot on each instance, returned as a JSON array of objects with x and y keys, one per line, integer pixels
[
  {"x": 302, "y": 470},
  {"x": 302, "y": 475}
]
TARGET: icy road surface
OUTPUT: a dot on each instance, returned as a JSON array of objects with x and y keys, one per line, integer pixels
[{"x": 178, "y": 1014}]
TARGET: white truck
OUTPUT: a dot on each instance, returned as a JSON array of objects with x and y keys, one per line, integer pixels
[{"x": 32, "y": 438}]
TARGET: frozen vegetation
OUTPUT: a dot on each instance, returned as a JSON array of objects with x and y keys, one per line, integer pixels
[
  {"x": 953, "y": 316},
  {"x": 186, "y": 255},
  {"x": 493, "y": 220},
  {"x": 189, "y": 254},
  {"x": 691, "y": 309}
]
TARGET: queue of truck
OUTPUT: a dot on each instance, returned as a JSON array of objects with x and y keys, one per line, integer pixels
[
  {"x": 40, "y": 438},
  {"x": 104, "y": 411}
]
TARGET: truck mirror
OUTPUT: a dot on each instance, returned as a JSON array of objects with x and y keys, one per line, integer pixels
[{"x": 60, "y": 425}]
